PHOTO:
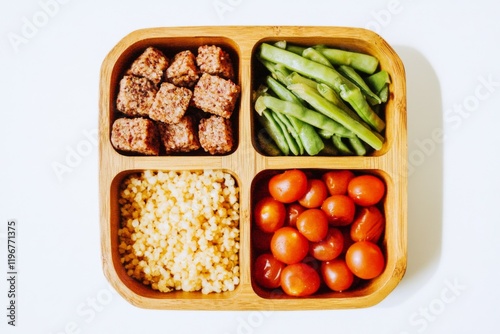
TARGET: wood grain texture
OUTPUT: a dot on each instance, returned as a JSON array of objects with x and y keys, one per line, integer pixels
[{"x": 245, "y": 163}]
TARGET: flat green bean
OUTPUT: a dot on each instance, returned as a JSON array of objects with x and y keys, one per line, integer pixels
[
  {"x": 360, "y": 61},
  {"x": 346, "y": 89},
  {"x": 312, "y": 117},
  {"x": 324, "y": 106},
  {"x": 307, "y": 134},
  {"x": 273, "y": 129},
  {"x": 351, "y": 74}
]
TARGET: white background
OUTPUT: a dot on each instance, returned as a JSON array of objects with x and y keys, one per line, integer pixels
[{"x": 49, "y": 107}]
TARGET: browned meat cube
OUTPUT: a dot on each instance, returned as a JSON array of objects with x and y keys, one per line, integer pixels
[
  {"x": 135, "y": 96},
  {"x": 215, "y": 95},
  {"x": 170, "y": 104},
  {"x": 183, "y": 71},
  {"x": 138, "y": 135},
  {"x": 213, "y": 60},
  {"x": 151, "y": 64},
  {"x": 216, "y": 135},
  {"x": 179, "y": 137}
]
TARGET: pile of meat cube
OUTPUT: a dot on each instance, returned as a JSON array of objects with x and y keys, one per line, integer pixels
[{"x": 176, "y": 105}]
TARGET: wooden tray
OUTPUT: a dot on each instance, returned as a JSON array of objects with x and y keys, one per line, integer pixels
[{"x": 245, "y": 163}]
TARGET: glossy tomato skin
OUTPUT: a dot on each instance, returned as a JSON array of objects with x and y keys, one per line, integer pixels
[
  {"x": 337, "y": 275},
  {"x": 340, "y": 210},
  {"x": 368, "y": 225},
  {"x": 288, "y": 186},
  {"x": 288, "y": 245},
  {"x": 300, "y": 280},
  {"x": 269, "y": 214},
  {"x": 366, "y": 190},
  {"x": 267, "y": 271},
  {"x": 336, "y": 181},
  {"x": 293, "y": 210},
  {"x": 329, "y": 247},
  {"x": 313, "y": 224},
  {"x": 315, "y": 195},
  {"x": 365, "y": 259}
]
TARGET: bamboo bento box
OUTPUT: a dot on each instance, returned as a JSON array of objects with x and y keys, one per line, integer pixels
[{"x": 246, "y": 164}]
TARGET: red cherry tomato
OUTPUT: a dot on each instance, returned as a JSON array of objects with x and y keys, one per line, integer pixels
[
  {"x": 313, "y": 224},
  {"x": 293, "y": 210},
  {"x": 288, "y": 245},
  {"x": 288, "y": 186},
  {"x": 315, "y": 195},
  {"x": 368, "y": 225},
  {"x": 269, "y": 214},
  {"x": 366, "y": 189},
  {"x": 328, "y": 248},
  {"x": 337, "y": 180},
  {"x": 300, "y": 280},
  {"x": 267, "y": 271},
  {"x": 336, "y": 275},
  {"x": 365, "y": 259},
  {"x": 340, "y": 210}
]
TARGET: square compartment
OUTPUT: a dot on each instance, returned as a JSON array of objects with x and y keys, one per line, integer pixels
[
  {"x": 131, "y": 288},
  {"x": 120, "y": 60},
  {"x": 388, "y": 61},
  {"x": 362, "y": 290}
]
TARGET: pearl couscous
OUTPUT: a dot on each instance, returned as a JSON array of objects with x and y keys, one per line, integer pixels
[{"x": 180, "y": 230}]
